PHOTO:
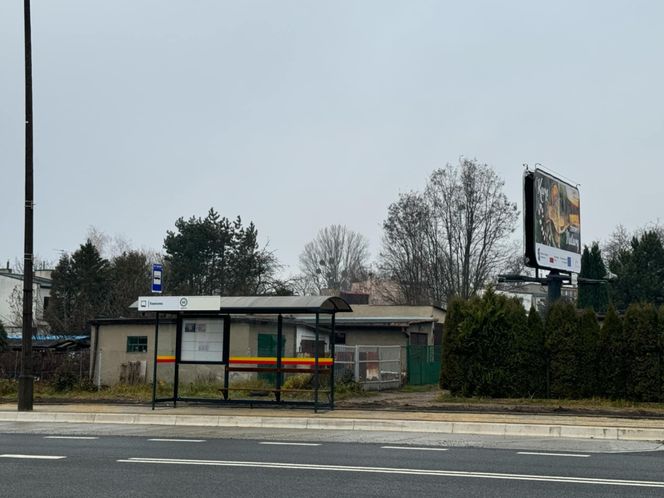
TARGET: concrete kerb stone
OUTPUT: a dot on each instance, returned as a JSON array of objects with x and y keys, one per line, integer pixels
[
  {"x": 156, "y": 419},
  {"x": 36, "y": 417},
  {"x": 115, "y": 418},
  {"x": 479, "y": 428},
  {"x": 339, "y": 424},
  {"x": 283, "y": 423},
  {"x": 197, "y": 420},
  {"x": 76, "y": 418},
  {"x": 8, "y": 416},
  {"x": 639, "y": 434}
]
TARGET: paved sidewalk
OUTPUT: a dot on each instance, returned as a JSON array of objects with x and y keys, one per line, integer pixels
[{"x": 508, "y": 425}]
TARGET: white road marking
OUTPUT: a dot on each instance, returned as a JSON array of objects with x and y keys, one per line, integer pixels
[
  {"x": 577, "y": 455},
  {"x": 422, "y": 448},
  {"x": 70, "y": 437},
  {"x": 177, "y": 440},
  {"x": 36, "y": 457},
  {"x": 389, "y": 470},
  {"x": 289, "y": 444}
]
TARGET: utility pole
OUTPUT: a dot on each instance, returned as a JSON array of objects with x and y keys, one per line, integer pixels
[{"x": 25, "y": 381}]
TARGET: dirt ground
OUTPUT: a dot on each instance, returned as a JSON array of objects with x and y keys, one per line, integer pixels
[{"x": 429, "y": 400}]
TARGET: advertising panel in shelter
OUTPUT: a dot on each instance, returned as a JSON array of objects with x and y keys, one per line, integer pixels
[{"x": 202, "y": 340}]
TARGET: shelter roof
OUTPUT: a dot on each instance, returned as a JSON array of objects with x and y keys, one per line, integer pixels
[{"x": 243, "y": 304}]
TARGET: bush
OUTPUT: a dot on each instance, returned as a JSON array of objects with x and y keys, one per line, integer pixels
[
  {"x": 642, "y": 358},
  {"x": 530, "y": 360},
  {"x": 64, "y": 379},
  {"x": 8, "y": 387},
  {"x": 563, "y": 344},
  {"x": 611, "y": 353},
  {"x": 479, "y": 348},
  {"x": 299, "y": 381}
]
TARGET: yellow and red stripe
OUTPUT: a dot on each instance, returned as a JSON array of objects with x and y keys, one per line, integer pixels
[
  {"x": 262, "y": 360},
  {"x": 272, "y": 360}
]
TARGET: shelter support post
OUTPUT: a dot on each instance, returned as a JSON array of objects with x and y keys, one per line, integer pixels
[
  {"x": 227, "y": 353},
  {"x": 316, "y": 374},
  {"x": 178, "y": 359},
  {"x": 280, "y": 334},
  {"x": 333, "y": 339},
  {"x": 154, "y": 360}
]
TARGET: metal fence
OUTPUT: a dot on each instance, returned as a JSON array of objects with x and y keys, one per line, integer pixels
[
  {"x": 374, "y": 367},
  {"x": 423, "y": 365},
  {"x": 47, "y": 365}
]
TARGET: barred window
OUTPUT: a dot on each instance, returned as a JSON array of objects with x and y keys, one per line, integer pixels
[{"x": 137, "y": 344}]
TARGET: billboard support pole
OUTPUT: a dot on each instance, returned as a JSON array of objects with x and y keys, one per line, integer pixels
[{"x": 554, "y": 285}]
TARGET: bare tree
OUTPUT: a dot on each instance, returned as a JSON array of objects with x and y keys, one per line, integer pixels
[
  {"x": 406, "y": 258},
  {"x": 335, "y": 259},
  {"x": 451, "y": 239}
]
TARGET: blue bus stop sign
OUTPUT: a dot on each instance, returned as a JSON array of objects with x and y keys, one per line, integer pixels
[{"x": 156, "y": 278}]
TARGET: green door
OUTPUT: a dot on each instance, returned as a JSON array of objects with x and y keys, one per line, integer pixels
[
  {"x": 423, "y": 365},
  {"x": 267, "y": 346}
]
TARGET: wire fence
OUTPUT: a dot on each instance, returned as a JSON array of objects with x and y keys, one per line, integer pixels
[
  {"x": 373, "y": 367},
  {"x": 47, "y": 365}
]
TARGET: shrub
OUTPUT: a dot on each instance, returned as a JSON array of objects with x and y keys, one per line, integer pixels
[
  {"x": 563, "y": 344},
  {"x": 641, "y": 331},
  {"x": 611, "y": 353}
]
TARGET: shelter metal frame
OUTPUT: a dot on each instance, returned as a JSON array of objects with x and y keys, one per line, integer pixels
[{"x": 249, "y": 306}]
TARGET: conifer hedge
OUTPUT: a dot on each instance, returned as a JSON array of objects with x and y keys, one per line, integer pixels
[{"x": 491, "y": 347}]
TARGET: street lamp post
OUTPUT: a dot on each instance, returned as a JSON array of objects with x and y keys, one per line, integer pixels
[{"x": 25, "y": 383}]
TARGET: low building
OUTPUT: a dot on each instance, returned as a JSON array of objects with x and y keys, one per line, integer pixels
[
  {"x": 122, "y": 345},
  {"x": 11, "y": 297}
]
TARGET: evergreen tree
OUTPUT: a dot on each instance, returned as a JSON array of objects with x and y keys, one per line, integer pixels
[
  {"x": 451, "y": 375},
  {"x": 479, "y": 347},
  {"x": 611, "y": 353},
  {"x": 4, "y": 345},
  {"x": 79, "y": 291},
  {"x": 562, "y": 341},
  {"x": 593, "y": 295},
  {"x": 640, "y": 271},
  {"x": 531, "y": 361},
  {"x": 214, "y": 256},
  {"x": 130, "y": 276},
  {"x": 642, "y": 352},
  {"x": 586, "y": 353}
]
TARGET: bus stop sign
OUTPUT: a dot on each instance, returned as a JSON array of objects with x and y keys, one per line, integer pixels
[{"x": 156, "y": 278}]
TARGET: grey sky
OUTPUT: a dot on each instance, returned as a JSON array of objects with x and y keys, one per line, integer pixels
[{"x": 301, "y": 114}]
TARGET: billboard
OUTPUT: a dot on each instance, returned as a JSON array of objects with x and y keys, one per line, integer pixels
[{"x": 552, "y": 222}]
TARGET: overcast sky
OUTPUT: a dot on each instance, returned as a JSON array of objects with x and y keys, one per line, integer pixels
[{"x": 300, "y": 114}]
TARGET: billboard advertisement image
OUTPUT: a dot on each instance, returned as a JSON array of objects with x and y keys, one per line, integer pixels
[{"x": 553, "y": 223}]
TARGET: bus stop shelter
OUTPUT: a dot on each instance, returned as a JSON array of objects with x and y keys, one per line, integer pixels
[{"x": 204, "y": 333}]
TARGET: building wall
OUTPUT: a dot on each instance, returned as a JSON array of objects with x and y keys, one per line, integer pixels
[
  {"x": 112, "y": 353},
  {"x": 374, "y": 337},
  {"x": 11, "y": 285}
]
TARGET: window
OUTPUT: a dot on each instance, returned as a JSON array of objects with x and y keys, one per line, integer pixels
[{"x": 137, "y": 344}]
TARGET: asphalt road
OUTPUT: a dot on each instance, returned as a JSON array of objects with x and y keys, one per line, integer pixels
[{"x": 39, "y": 462}]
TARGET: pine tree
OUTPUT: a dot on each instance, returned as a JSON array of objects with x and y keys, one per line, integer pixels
[{"x": 79, "y": 291}]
